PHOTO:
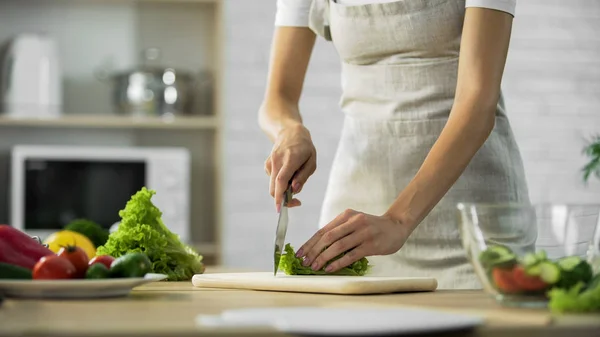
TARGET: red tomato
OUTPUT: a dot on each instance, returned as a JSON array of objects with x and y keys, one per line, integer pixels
[
  {"x": 104, "y": 259},
  {"x": 53, "y": 267},
  {"x": 78, "y": 257},
  {"x": 527, "y": 282},
  {"x": 504, "y": 280}
]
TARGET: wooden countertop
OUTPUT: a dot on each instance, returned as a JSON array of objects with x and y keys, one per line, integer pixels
[{"x": 170, "y": 308}]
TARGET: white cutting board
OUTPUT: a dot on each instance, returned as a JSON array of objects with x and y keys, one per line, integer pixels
[{"x": 325, "y": 284}]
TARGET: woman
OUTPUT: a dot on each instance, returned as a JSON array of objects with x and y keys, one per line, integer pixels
[{"x": 425, "y": 128}]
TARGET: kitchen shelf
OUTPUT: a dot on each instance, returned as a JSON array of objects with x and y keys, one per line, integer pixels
[{"x": 115, "y": 122}]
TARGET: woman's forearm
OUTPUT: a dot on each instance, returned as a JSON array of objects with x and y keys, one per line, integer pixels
[
  {"x": 484, "y": 47},
  {"x": 290, "y": 55},
  {"x": 448, "y": 158}
]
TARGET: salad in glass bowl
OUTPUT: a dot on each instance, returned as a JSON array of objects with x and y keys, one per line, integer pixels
[{"x": 535, "y": 255}]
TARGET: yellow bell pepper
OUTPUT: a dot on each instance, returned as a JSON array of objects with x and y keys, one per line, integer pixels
[{"x": 69, "y": 238}]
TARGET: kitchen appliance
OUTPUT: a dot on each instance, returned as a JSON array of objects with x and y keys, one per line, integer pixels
[
  {"x": 30, "y": 77},
  {"x": 155, "y": 90},
  {"x": 281, "y": 230},
  {"x": 325, "y": 284},
  {"x": 53, "y": 185}
]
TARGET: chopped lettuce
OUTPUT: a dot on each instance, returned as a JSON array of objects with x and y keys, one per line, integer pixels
[
  {"x": 142, "y": 230},
  {"x": 579, "y": 298},
  {"x": 292, "y": 265}
]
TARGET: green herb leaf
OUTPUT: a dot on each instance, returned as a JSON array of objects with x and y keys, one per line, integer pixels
[
  {"x": 292, "y": 265},
  {"x": 142, "y": 230},
  {"x": 578, "y": 298}
]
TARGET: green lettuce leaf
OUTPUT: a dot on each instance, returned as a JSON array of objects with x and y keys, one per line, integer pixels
[
  {"x": 142, "y": 230},
  {"x": 292, "y": 265},
  {"x": 578, "y": 298}
]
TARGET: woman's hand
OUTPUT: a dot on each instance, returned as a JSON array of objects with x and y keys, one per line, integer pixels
[
  {"x": 356, "y": 233},
  {"x": 292, "y": 160}
]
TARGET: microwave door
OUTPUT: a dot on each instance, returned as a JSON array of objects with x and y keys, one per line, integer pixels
[{"x": 60, "y": 191}]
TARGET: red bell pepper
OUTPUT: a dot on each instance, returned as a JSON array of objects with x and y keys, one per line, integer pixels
[{"x": 20, "y": 249}]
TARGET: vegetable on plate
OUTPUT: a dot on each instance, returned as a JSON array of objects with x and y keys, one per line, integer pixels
[
  {"x": 90, "y": 229},
  {"x": 12, "y": 272},
  {"x": 77, "y": 257},
  {"x": 292, "y": 265},
  {"x": 65, "y": 238},
  {"x": 131, "y": 265},
  {"x": 54, "y": 267},
  {"x": 20, "y": 249},
  {"x": 142, "y": 231},
  {"x": 97, "y": 271},
  {"x": 102, "y": 259}
]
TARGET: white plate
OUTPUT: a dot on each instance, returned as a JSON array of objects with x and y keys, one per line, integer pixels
[
  {"x": 343, "y": 321},
  {"x": 79, "y": 288}
]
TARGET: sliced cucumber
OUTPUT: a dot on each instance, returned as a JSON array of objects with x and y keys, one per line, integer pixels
[
  {"x": 541, "y": 255},
  {"x": 497, "y": 256},
  {"x": 529, "y": 259},
  {"x": 549, "y": 272},
  {"x": 534, "y": 270},
  {"x": 569, "y": 263},
  {"x": 532, "y": 259}
]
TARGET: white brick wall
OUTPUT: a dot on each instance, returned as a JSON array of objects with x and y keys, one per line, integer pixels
[{"x": 551, "y": 85}]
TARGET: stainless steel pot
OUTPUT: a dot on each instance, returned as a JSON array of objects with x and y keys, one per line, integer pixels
[{"x": 156, "y": 91}]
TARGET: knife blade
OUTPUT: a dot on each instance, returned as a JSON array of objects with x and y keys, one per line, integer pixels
[{"x": 281, "y": 230}]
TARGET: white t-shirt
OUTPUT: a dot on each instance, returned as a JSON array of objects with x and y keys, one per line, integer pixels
[{"x": 295, "y": 12}]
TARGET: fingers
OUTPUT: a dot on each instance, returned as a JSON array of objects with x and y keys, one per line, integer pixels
[
  {"x": 340, "y": 245},
  {"x": 274, "y": 170},
  {"x": 282, "y": 181},
  {"x": 303, "y": 173},
  {"x": 294, "y": 203},
  {"x": 308, "y": 246},
  {"x": 268, "y": 166},
  {"x": 348, "y": 259}
]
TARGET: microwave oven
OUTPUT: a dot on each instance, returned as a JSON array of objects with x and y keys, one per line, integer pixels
[{"x": 52, "y": 185}]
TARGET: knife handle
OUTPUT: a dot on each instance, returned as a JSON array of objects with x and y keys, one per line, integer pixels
[{"x": 287, "y": 195}]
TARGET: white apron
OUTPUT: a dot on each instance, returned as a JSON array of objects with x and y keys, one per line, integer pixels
[{"x": 399, "y": 72}]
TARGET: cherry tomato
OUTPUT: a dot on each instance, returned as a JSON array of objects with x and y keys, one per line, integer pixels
[
  {"x": 104, "y": 259},
  {"x": 53, "y": 267},
  {"x": 504, "y": 280},
  {"x": 527, "y": 282},
  {"x": 78, "y": 257}
]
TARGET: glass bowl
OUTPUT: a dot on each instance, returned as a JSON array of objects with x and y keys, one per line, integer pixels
[{"x": 520, "y": 252}]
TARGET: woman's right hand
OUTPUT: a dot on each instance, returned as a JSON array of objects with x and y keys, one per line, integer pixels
[{"x": 292, "y": 160}]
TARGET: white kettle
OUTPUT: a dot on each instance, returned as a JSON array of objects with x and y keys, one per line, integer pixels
[{"x": 30, "y": 77}]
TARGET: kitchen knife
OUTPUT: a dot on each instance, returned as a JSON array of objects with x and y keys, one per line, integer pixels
[{"x": 282, "y": 224}]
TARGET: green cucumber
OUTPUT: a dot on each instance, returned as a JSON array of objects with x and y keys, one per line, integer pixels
[
  {"x": 497, "y": 256},
  {"x": 529, "y": 259},
  {"x": 541, "y": 255},
  {"x": 573, "y": 270},
  {"x": 549, "y": 272},
  {"x": 532, "y": 259},
  {"x": 569, "y": 263},
  {"x": 534, "y": 270},
  {"x": 12, "y": 272}
]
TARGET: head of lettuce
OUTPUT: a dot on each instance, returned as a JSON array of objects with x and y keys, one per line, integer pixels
[{"x": 142, "y": 230}]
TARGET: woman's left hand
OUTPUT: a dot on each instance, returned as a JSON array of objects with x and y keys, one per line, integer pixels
[{"x": 356, "y": 233}]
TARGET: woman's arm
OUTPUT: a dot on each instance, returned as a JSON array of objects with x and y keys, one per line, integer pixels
[
  {"x": 484, "y": 46},
  {"x": 290, "y": 55},
  {"x": 293, "y": 157}
]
